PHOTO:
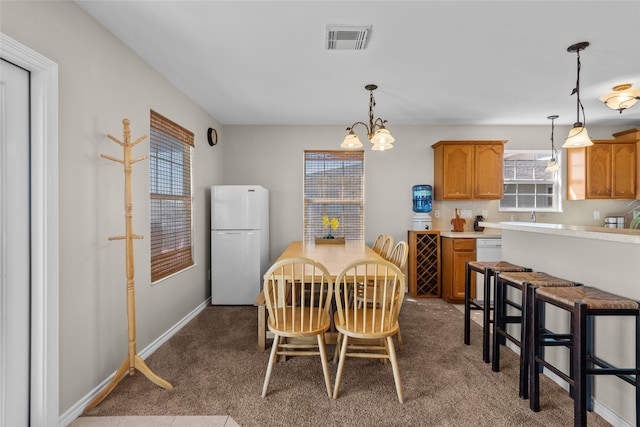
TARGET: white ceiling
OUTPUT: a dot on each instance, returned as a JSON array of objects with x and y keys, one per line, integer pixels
[{"x": 435, "y": 62}]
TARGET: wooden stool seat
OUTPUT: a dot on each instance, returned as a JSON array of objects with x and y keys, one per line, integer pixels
[
  {"x": 594, "y": 298},
  {"x": 584, "y": 304},
  {"x": 488, "y": 269},
  {"x": 536, "y": 279},
  {"x": 497, "y": 266},
  {"x": 522, "y": 281}
]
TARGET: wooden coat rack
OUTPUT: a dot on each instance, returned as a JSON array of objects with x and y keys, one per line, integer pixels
[{"x": 132, "y": 362}]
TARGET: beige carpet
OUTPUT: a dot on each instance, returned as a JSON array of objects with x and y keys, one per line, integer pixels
[{"x": 216, "y": 369}]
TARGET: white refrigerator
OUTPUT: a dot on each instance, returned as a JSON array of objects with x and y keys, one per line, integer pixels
[{"x": 239, "y": 243}]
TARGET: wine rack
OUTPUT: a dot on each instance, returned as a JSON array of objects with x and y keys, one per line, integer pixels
[{"x": 424, "y": 264}]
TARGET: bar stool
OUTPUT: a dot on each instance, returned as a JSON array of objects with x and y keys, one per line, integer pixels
[
  {"x": 584, "y": 304},
  {"x": 488, "y": 269},
  {"x": 521, "y": 281}
]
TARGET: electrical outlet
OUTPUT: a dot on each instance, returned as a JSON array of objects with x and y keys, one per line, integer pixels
[
  {"x": 485, "y": 213},
  {"x": 596, "y": 214},
  {"x": 436, "y": 213}
]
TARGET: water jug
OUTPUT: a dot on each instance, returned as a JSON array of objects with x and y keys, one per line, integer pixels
[{"x": 422, "y": 198}]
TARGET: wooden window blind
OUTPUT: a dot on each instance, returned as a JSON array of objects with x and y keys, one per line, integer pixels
[
  {"x": 170, "y": 191},
  {"x": 334, "y": 186}
]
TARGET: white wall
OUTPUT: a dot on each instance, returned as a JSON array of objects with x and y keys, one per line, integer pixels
[
  {"x": 273, "y": 156},
  {"x": 101, "y": 82}
]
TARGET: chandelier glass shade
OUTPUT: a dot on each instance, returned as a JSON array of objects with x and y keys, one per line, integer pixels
[
  {"x": 351, "y": 141},
  {"x": 623, "y": 96},
  {"x": 553, "y": 165},
  {"x": 379, "y": 136},
  {"x": 578, "y": 136}
]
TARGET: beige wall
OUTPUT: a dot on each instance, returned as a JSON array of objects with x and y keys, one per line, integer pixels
[{"x": 101, "y": 82}]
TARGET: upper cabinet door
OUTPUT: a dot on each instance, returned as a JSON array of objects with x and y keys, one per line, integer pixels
[
  {"x": 623, "y": 162},
  {"x": 599, "y": 171},
  {"x": 489, "y": 182},
  {"x": 458, "y": 163}
]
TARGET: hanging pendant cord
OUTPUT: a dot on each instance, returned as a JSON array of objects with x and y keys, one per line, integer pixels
[
  {"x": 579, "y": 105},
  {"x": 372, "y": 103}
]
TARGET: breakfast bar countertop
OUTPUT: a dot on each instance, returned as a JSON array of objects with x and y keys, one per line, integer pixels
[{"x": 622, "y": 235}]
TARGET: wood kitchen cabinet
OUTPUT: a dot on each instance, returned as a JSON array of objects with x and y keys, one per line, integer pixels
[
  {"x": 604, "y": 170},
  {"x": 455, "y": 254},
  {"x": 424, "y": 264},
  {"x": 467, "y": 170},
  {"x": 633, "y": 135}
]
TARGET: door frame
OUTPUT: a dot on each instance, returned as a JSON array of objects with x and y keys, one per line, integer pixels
[{"x": 44, "y": 394}]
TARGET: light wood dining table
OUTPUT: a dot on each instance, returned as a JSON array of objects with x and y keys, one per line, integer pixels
[{"x": 335, "y": 257}]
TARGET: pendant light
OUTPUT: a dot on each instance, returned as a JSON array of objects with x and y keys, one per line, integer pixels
[
  {"x": 578, "y": 136},
  {"x": 377, "y": 134},
  {"x": 553, "y": 165}
]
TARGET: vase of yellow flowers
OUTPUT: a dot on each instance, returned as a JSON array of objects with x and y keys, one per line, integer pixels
[{"x": 330, "y": 226}]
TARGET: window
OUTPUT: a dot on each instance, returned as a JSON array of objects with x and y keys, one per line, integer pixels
[
  {"x": 170, "y": 188},
  {"x": 334, "y": 186},
  {"x": 527, "y": 186}
]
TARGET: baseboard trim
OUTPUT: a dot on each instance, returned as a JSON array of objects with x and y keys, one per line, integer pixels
[{"x": 78, "y": 408}]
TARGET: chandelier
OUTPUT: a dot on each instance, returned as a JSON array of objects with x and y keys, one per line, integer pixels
[
  {"x": 377, "y": 134},
  {"x": 622, "y": 97},
  {"x": 578, "y": 136},
  {"x": 553, "y": 165}
]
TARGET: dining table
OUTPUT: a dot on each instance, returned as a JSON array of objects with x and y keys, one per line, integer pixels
[{"x": 335, "y": 257}]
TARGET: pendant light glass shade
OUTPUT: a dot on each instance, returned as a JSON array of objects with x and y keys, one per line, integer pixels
[
  {"x": 351, "y": 141},
  {"x": 578, "y": 137},
  {"x": 622, "y": 97},
  {"x": 552, "y": 166}
]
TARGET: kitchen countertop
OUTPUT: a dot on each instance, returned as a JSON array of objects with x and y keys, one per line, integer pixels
[{"x": 623, "y": 235}]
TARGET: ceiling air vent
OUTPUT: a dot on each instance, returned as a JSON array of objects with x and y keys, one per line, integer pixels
[{"x": 340, "y": 37}]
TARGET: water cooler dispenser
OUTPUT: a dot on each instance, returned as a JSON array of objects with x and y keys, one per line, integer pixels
[{"x": 421, "y": 207}]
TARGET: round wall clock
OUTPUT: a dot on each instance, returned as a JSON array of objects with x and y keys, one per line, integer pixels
[{"x": 212, "y": 136}]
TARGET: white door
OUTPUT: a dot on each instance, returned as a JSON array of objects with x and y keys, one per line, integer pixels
[{"x": 15, "y": 280}]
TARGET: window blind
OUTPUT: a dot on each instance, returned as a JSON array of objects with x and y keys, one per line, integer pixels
[
  {"x": 170, "y": 192},
  {"x": 334, "y": 186}
]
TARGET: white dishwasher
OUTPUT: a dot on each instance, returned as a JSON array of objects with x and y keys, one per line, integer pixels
[{"x": 487, "y": 249}]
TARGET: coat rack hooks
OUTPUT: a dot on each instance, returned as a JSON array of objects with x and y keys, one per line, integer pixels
[{"x": 132, "y": 362}]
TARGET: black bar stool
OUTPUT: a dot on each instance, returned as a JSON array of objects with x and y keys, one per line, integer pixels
[
  {"x": 584, "y": 304},
  {"x": 522, "y": 282},
  {"x": 488, "y": 269}
]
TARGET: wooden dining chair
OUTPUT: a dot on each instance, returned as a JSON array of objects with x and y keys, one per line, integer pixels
[
  {"x": 377, "y": 245},
  {"x": 298, "y": 294},
  {"x": 401, "y": 260},
  {"x": 371, "y": 322},
  {"x": 387, "y": 246},
  {"x": 399, "y": 254}
]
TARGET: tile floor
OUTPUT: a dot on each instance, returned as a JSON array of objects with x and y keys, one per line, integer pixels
[{"x": 160, "y": 421}]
